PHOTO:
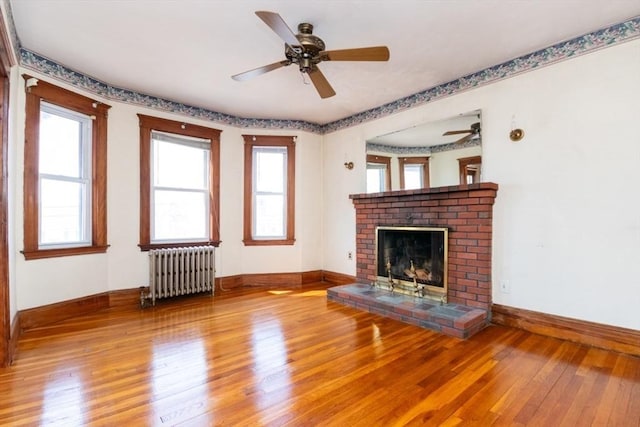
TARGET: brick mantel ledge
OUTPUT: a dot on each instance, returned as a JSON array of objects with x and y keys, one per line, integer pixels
[{"x": 433, "y": 190}]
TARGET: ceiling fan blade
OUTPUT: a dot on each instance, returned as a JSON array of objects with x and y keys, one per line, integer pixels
[
  {"x": 320, "y": 82},
  {"x": 260, "y": 70},
  {"x": 375, "y": 53},
  {"x": 456, "y": 132},
  {"x": 277, "y": 24},
  {"x": 465, "y": 139}
]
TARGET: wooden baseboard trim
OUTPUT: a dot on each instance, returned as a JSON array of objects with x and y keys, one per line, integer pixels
[
  {"x": 48, "y": 314},
  {"x": 337, "y": 278},
  {"x": 124, "y": 297},
  {"x": 280, "y": 280},
  {"x": 580, "y": 331},
  {"x": 13, "y": 339},
  {"x": 309, "y": 277},
  {"x": 51, "y": 313}
]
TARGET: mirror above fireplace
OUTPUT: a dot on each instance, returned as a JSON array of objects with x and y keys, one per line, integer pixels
[{"x": 435, "y": 154}]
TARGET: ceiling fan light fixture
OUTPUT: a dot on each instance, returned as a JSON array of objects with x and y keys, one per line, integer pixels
[{"x": 308, "y": 50}]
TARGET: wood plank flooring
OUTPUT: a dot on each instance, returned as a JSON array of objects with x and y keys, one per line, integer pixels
[{"x": 273, "y": 358}]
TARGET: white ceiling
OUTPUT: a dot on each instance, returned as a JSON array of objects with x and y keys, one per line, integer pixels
[{"x": 187, "y": 50}]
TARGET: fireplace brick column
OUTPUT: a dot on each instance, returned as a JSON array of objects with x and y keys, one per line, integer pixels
[{"x": 466, "y": 210}]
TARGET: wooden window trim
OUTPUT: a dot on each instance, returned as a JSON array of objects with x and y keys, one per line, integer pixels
[
  {"x": 424, "y": 161},
  {"x": 52, "y": 94},
  {"x": 7, "y": 344},
  {"x": 463, "y": 162},
  {"x": 251, "y": 141},
  {"x": 149, "y": 123},
  {"x": 382, "y": 160}
]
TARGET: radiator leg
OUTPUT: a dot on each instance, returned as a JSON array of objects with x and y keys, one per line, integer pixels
[{"x": 143, "y": 298}]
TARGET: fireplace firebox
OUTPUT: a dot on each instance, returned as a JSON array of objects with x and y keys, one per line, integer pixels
[{"x": 412, "y": 260}]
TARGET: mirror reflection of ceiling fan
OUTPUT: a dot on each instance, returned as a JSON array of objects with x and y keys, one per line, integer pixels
[
  {"x": 307, "y": 51},
  {"x": 473, "y": 130}
]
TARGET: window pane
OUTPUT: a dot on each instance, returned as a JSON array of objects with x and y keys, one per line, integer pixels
[
  {"x": 180, "y": 215},
  {"x": 269, "y": 216},
  {"x": 180, "y": 166},
  {"x": 62, "y": 217},
  {"x": 270, "y": 169},
  {"x": 375, "y": 179},
  {"x": 413, "y": 176},
  {"x": 60, "y": 145}
]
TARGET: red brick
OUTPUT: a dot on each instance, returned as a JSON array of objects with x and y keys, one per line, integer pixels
[
  {"x": 468, "y": 269},
  {"x": 480, "y": 249},
  {"x": 467, "y": 242},
  {"x": 467, "y": 282},
  {"x": 470, "y": 201},
  {"x": 483, "y": 193},
  {"x": 466, "y": 296},
  {"x": 470, "y": 215},
  {"x": 484, "y": 298},
  {"x": 448, "y": 215},
  {"x": 480, "y": 208}
]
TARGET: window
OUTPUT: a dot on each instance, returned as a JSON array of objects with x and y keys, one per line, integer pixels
[
  {"x": 378, "y": 173},
  {"x": 179, "y": 184},
  {"x": 414, "y": 172},
  {"x": 269, "y": 190},
  {"x": 64, "y": 176},
  {"x": 64, "y": 172},
  {"x": 469, "y": 169}
]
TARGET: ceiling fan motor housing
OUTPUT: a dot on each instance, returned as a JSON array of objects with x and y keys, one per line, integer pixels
[{"x": 307, "y": 54}]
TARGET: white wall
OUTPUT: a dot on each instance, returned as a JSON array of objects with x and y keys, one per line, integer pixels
[
  {"x": 444, "y": 167},
  {"x": 567, "y": 215},
  {"x": 124, "y": 266}
]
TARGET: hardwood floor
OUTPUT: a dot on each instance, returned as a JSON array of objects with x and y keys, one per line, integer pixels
[{"x": 292, "y": 358}]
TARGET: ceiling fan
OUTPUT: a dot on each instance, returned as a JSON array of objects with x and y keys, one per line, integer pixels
[
  {"x": 473, "y": 130},
  {"x": 307, "y": 51}
]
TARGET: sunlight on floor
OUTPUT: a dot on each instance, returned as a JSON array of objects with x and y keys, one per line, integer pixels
[
  {"x": 313, "y": 293},
  {"x": 280, "y": 292}
]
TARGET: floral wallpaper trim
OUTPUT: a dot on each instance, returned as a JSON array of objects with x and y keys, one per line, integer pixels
[
  {"x": 622, "y": 32},
  {"x": 421, "y": 150}
]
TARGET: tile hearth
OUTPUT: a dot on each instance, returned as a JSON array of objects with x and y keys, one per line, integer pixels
[{"x": 455, "y": 320}]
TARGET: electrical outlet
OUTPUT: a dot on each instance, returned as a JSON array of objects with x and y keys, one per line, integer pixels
[
  {"x": 349, "y": 255},
  {"x": 505, "y": 286}
]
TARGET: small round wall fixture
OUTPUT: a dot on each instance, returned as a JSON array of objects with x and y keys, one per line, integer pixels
[{"x": 516, "y": 135}]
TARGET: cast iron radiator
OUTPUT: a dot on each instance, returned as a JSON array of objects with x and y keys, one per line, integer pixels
[{"x": 180, "y": 271}]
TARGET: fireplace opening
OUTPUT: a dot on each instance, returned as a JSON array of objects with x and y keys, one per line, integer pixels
[{"x": 412, "y": 260}]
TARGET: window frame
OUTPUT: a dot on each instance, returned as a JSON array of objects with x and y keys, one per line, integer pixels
[
  {"x": 98, "y": 111},
  {"x": 386, "y": 161},
  {"x": 149, "y": 124},
  {"x": 251, "y": 141},
  {"x": 423, "y": 161}
]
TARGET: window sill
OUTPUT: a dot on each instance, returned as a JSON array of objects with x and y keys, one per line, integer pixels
[
  {"x": 285, "y": 242},
  {"x": 54, "y": 253}
]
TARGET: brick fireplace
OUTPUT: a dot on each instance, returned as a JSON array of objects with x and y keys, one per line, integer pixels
[{"x": 466, "y": 211}]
